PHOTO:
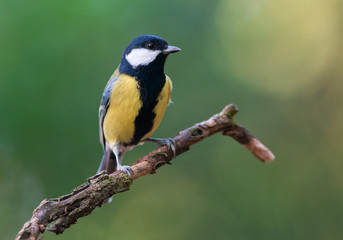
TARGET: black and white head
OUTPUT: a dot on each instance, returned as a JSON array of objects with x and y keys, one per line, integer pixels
[{"x": 146, "y": 53}]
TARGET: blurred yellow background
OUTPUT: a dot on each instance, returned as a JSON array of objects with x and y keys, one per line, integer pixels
[{"x": 279, "y": 61}]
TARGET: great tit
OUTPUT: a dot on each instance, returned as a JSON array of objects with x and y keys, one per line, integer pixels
[{"x": 134, "y": 100}]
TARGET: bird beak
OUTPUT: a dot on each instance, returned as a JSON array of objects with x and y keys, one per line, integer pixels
[{"x": 171, "y": 49}]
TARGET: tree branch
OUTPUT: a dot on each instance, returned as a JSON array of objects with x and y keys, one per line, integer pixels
[{"x": 64, "y": 211}]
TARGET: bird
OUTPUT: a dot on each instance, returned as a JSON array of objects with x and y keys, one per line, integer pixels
[{"x": 134, "y": 101}]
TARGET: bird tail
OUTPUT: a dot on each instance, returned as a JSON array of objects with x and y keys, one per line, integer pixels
[{"x": 108, "y": 162}]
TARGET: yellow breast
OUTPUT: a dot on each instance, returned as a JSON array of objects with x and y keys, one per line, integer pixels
[
  {"x": 124, "y": 106},
  {"x": 123, "y": 109}
]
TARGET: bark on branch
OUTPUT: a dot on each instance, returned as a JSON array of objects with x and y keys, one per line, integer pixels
[{"x": 58, "y": 214}]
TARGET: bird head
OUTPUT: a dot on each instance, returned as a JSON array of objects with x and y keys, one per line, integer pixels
[{"x": 145, "y": 52}]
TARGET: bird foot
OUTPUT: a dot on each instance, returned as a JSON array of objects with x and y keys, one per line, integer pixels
[
  {"x": 126, "y": 169},
  {"x": 169, "y": 142}
]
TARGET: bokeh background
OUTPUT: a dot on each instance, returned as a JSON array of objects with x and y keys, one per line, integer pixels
[{"x": 279, "y": 61}]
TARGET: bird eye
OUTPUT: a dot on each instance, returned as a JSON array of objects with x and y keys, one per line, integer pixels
[{"x": 150, "y": 46}]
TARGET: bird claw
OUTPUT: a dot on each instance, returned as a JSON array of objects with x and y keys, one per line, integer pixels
[
  {"x": 169, "y": 142},
  {"x": 126, "y": 169}
]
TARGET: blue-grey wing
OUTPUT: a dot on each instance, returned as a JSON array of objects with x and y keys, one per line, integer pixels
[{"x": 104, "y": 104}]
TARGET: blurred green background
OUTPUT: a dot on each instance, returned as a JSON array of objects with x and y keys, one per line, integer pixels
[{"x": 279, "y": 61}]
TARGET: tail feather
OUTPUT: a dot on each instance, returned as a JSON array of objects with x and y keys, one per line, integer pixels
[{"x": 108, "y": 162}]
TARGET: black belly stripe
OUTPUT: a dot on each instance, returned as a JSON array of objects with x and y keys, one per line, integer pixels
[{"x": 149, "y": 92}]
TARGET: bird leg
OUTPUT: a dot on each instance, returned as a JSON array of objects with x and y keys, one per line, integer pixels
[
  {"x": 169, "y": 142},
  {"x": 119, "y": 157}
]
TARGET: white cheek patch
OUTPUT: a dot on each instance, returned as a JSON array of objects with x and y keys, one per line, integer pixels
[{"x": 141, "y": 56}]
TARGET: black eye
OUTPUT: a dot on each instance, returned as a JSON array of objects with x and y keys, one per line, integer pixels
[{"x": 150, "y": 46}]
